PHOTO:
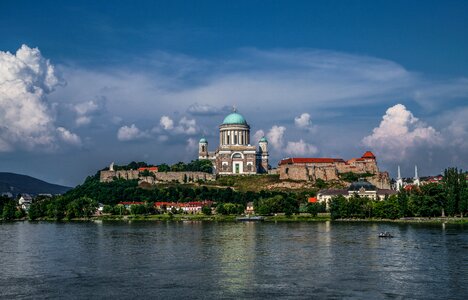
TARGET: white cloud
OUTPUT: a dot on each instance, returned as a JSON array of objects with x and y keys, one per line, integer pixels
[
  {"x": 303, "y": 121},
  {"x": 130, "y": 133},
  {"x": 257, "y": 136},
  {"x": 68, "y": 137},
  {"x": 187, "y": 126},
  {"x": 300, "y": 148},
  {"x": 85, "y": 111},
  {"x": 275, "y": 136},
  {"x": 27, "y": 121},
  {"x": 166, "y": 122},
  {"x": 400, "y": 132}
]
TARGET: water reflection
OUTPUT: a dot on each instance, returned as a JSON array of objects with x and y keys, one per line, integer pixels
[{"x": 232, "y": 260}]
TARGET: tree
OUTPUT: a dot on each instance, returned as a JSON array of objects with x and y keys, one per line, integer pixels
[
  {"x": 206, "y": 210},
  {"x": 312, "y": 209},
  {"x": 452, "y": 188},
  {"x": 338, "y": 207},
  {"x": 81, "y": 207},
  {"x": 9, "y": 210},
  {"x": 164, "y": 168}
]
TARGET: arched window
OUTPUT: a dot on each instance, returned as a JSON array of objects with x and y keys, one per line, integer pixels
[
  {"x": 287, "y": 170},
  {"x": 237, "y": 155},
  {"x": 203, "y": 148}
]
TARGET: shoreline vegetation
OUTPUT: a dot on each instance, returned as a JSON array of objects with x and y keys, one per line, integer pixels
[
  {"x": 123, "y": 199},
  {"x": 233, "y": 218}
]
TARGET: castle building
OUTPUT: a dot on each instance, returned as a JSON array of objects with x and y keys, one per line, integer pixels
[
  {"x": 235, "y": 154},
  {"x": 311, "y": 169}
]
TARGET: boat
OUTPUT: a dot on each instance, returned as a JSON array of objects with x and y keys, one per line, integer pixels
[
  {"x": 385, "y": 234},
  {"x": 250, "y": 218}
]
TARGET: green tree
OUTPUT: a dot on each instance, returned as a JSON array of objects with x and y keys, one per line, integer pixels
[
  {"x": 206, "y": 210},
  {"x": 81, "y": 207},
  {"x": 9, "y": 210},
  {"x": 313, "y": 209},
  {"x": 452, "y": 188},
  {"x": 338, "y": 207},
  {"x": 164, "y": 168}
]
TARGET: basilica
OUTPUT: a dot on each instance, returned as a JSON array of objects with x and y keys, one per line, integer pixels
[{"x": 235, "y": 154}]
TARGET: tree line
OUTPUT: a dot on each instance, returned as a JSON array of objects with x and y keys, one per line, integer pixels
[
  {"x": 428, "y": 200},
  {"x": 198, "y": 165}
]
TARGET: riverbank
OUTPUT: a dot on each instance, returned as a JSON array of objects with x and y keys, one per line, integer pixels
[{"x": 232, "y": 218}]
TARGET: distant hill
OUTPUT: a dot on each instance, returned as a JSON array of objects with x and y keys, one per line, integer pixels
[{"x": 17, "y": 183}]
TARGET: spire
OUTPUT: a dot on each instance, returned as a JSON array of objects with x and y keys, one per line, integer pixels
[
  {"x": 234, "y": 108},
  {"x": 399, "y": 182},
  {"x": 416, "y": 177}
]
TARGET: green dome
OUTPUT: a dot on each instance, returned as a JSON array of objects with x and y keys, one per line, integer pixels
[
  {"x": 203, "y": 140},
  {"x": 234, "y": 118},
  {"x": 263, "y": 139}
]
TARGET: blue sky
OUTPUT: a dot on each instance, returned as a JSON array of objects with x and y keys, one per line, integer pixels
[{"x": 320, "y": 78}]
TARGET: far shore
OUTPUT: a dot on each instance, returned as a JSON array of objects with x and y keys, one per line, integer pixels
[{"x": 277, "y": 218}]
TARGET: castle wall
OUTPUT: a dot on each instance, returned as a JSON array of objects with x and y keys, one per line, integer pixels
[{"x": 331, "y": 171}]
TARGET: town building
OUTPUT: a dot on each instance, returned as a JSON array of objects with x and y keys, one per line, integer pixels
[
  {"x": 360, "y": 188},
  {"x": 235, "y": 154},
  {"x": 327, "y": 169},
  {"x": 25, "y": 201}
]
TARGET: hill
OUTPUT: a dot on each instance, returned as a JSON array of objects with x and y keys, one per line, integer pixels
[{"x": 17, "y": 183}]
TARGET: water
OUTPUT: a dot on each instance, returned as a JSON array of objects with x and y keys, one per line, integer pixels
[{"x": 195, "y": 260}]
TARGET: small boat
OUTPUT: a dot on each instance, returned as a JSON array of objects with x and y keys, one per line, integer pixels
[
  {"x": 250, "y": 218},
  {"x": 385, "y": 234}
]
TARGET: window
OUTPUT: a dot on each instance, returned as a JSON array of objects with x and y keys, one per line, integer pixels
[{"x": 237, "y": 155}]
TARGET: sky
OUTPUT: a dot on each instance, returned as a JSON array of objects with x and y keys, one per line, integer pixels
[{"x": 87, "y": 83}]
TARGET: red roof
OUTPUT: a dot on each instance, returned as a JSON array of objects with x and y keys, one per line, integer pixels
[
  {"x": 312, "y": 200},
  {"x": 310, "y": 160},
  {"x": 368, "y": 154},
  {"x": 155, "y": 169}
]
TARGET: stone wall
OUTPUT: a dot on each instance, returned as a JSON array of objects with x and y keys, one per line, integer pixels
[
  {"x": 181, "y": 177},
  {"x": 331, "y": 171}
]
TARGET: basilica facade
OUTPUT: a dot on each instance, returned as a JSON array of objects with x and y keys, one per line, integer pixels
[{"x": 235, "y": 154}]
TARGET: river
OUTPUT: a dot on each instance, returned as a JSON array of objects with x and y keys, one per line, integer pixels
[{"x": 207, "y": 260}]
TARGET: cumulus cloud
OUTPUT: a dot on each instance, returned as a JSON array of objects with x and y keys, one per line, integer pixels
[
  {"x": 275, "y": 136},
  {"x": 68, "y": 137},
  {"x": 27, "y": 121},
  {"x": 166, "y": 123},
  {"x": 86, "y": 111},
  {"x": 400, "y": 132},
  {"x": 187, "y": 126},
  {"x": 303, "y": 121},
  {"x": 184, "y": 126},
  {"x": 130, "y": 133},
  {"x": 300, "y": 148}
]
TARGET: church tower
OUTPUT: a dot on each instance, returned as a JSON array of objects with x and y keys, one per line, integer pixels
[
  {"x": 399, "y": 182},
  {"x": 262, "y": 155},
  {"x": 416, "y": 180},
  {"x": 203, "y": 149}
]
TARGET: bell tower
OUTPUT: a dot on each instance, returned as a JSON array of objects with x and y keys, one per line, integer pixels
[{"x": 203, "y": 149}]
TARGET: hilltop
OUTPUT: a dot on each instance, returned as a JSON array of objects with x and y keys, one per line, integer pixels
[{"x": 18, "y": 183}]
